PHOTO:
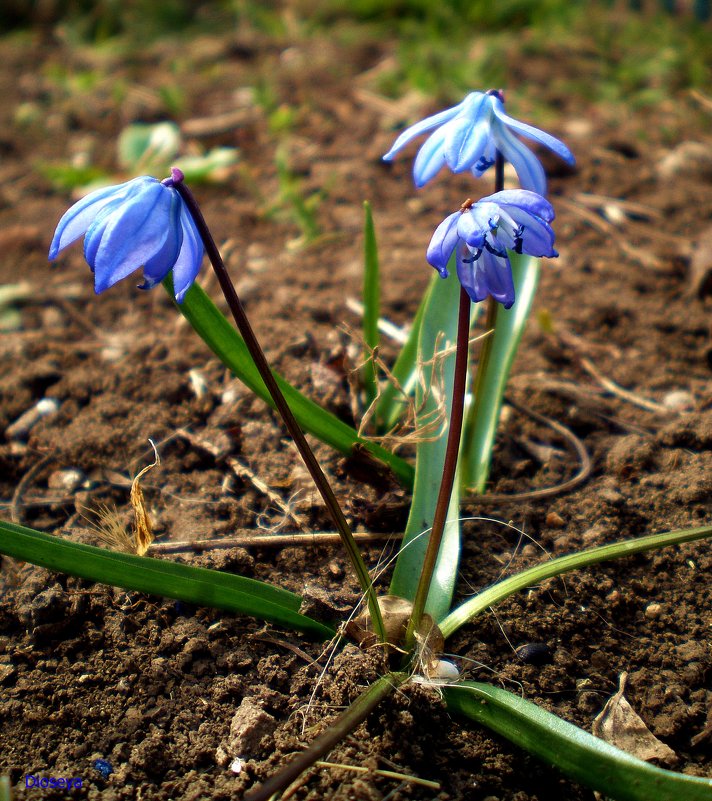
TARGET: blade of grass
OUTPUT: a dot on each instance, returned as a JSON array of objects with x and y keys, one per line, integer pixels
[
  {"x": 578, "y": 754},
  {"x": 564, "y": 564},
  {"x": 371, "y": 302},
  {"x": 230, "y": 348},
  {"x": 498, "y": 352},
  {"x": 194, "y": 585},
  {"x": 440, "y": 317}
]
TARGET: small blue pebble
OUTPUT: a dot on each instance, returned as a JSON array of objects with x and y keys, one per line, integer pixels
[{"x": 103, "y": 767}]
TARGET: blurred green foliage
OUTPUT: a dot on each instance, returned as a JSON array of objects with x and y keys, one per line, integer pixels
[
  {"x": 443, "y": 48},
  {"x": 96, "y": 21}
]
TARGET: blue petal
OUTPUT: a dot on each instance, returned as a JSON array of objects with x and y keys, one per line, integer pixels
[
  {"x": 487, "y": 158},
  {"x": 442, "y": 244},
  {"x": 159, "y": 265},
  {"x": 465, "y": 145},
  {"x": 95, "y": 232},
  {"x": 529, "y": 170},
  {"x": 497, "y": 277},
  {"x": 528, "y": 201},
  {"x": 473, "y": 225},
  {"x": 422, "y": 127},
  {"x": 430, "y": 158},
  {"x": 187, "y": 264},
  {"x": 533, "y": 213},
  {"x": 487, "y": 275},
  {"x": 76, "y": 220},
  {"x": 132, "y": 235},
  {"x": 467, "y": 136},
  {"x": 537, "y": 235},
  {"x": 554, "y": 144},
  {"x": 469, "y": 273}
]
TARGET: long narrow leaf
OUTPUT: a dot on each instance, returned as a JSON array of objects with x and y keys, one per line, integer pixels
[
  {"x": 230, "y": 348},
  {"x": 564, "y": 564},
  {"x": 438, "y": 332},
  {"x": 195, "y": 585},
  {"x": 492, "y": 375},
  {"x": 391, "y": 403},
  {"x": 580, "y": 755},
  {"x": 371, "y": 301}
]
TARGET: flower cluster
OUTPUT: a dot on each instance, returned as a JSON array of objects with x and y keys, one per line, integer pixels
[
  {"x": 141, "y": 223},
  {"x": 469, "y": 136},
  {"x": 481, "y": 234}
]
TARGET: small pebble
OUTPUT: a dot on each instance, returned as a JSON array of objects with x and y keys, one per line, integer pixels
[
  {"x": 534, "y": 653},
  {"x": 68, "y": 480},
  {"x": 197, "y": 383},
  {"x": 444, "y": 670},
  {"x": 555, "y": 520},
  {"x": 679, "y": 400},
  {"x": 653, "y": 611},
  {"x": 29, "y": 419},
  {"x": 688, "y": 158}
]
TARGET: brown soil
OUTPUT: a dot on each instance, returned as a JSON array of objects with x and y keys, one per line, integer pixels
[{"x": 151, "y": 686}]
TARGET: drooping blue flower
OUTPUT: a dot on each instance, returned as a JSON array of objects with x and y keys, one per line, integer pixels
[
  {"x": 481, "y": 234},
  {"x": 141, "y": 223},
  {"x": 468, "y": 136}
]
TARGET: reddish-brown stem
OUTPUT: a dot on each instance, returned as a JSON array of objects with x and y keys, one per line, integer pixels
[
  {"x": 258, "y": 356},
  {"x": 454, "y": 434},
  {"x": 449, "y": 467}
]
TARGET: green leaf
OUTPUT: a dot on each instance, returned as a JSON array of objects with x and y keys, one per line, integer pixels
[
  {"x": 439, "y": 318},
  {"x": 371, "y": 302},
  {"x": 391, "y": 403},
  {"x": 498, "y": 353},
  {"x": 148, "y": 148},
  {"x": 229, "y": 347},
  {"x": 578, "y": 754},
  {"x": 67, "y": 176},
  {"x": 211, "y": 166},
  {"x": 195, "y": 585},
  {"x": 564, "y": 564}
]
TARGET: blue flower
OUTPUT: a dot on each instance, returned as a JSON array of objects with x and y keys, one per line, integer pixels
[
  {"x": 141, "y": 223},
  {"x": 481, "y": 234},
  {"x": 468, "y": 136}
]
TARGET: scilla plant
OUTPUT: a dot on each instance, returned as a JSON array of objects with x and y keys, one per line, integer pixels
[{"x": 485, "y": 252}]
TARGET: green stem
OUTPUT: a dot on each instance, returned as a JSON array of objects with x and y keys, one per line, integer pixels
[
  {"x": 245, "y": 329},
  {"x": 486, "y": 351},
  {"x": 481, "y": 377},
  {"x": 449, "y": 467},
  {"x": 340, "y": 728}
]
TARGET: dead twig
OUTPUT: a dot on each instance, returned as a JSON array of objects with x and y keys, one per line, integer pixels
[
  {"x": 638, "y": 255},
  {"x": 250, "y": 540},
  {"x": 703, "y": 100},
  {"x": 629, "y": 207},
  {"x": 289, "y": 646},
  {"x": 620, "y": 392},
  {"x": 23, "y": 484},
  {"x": 546, "y": 492},
  {"x": 220, "y": 123}
]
